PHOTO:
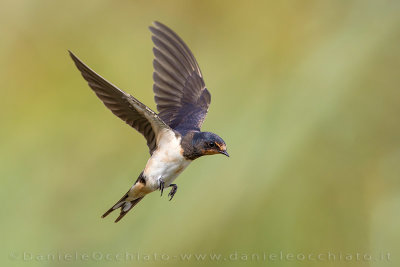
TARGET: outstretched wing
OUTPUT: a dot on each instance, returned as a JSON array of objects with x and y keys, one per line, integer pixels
[
  {"x": 123, "y": 105},
  {"x": 180, "y": 93}
]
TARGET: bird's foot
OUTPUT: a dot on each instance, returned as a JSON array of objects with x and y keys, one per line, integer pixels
[
  {"x": 173, "y": 191},
  {"x": 162, "y": 183}
]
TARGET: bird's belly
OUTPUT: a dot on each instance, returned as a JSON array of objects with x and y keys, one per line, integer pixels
[
  {"x": 168, "y": 171},
  {"x": 166, "y": 163}
]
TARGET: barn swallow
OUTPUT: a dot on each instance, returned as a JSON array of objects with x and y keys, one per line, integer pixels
[{"x": 173, "y": 135}]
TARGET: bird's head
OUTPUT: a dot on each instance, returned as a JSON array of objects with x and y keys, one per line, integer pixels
[{"x": 209, "y": 144}]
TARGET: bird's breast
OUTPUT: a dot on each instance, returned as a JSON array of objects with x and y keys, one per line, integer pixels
[{"x": 167, "y": 161}]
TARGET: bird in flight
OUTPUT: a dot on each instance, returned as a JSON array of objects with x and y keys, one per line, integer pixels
[{"x": 173, "y": 135}]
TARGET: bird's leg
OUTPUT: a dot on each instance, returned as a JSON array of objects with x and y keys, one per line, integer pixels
[
  {"x": 173, "y": 191},
  {"x": 161, "y": 181}
]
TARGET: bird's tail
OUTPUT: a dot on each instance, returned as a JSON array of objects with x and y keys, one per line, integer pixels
[
  {"x": 125, "y": 203},
  {"x": 130, "y": 199}
]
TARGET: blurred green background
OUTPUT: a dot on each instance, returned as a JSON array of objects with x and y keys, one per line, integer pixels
[{"x": 305, "y": 94}]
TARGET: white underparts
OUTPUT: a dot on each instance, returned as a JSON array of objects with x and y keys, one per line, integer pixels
[{"x": 167, "y": 161}]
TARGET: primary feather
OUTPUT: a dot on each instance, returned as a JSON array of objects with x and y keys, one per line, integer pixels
[{"x": 180, "y": 93}]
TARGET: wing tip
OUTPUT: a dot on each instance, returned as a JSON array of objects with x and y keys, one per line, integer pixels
[
  {"x": 76, "y": 60},
  {"x": 157, "y": 23},
  {"x": 154, "y": 25},
  {"x": 72, "y": 55}
]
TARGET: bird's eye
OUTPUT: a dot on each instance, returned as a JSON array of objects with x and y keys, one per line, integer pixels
[{"x": 211, "y": 144}]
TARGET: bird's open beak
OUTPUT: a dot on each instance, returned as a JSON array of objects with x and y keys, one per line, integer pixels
[{"x": 224, "y": 153}]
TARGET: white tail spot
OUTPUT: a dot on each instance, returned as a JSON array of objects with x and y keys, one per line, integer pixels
[
  {"x": 116, "y": 206},
  {"x": 127, "y": 206}
]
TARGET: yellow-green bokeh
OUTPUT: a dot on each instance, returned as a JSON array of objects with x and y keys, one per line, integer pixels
[{"x": 305, "y": 93}]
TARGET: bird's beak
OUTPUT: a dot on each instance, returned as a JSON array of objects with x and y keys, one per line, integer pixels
[{"x": 224, "y": 153}]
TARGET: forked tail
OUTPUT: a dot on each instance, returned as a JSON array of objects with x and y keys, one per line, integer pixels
[
  {"x": 130, "y": 199},
  {"x": 124, "y": 204}
]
